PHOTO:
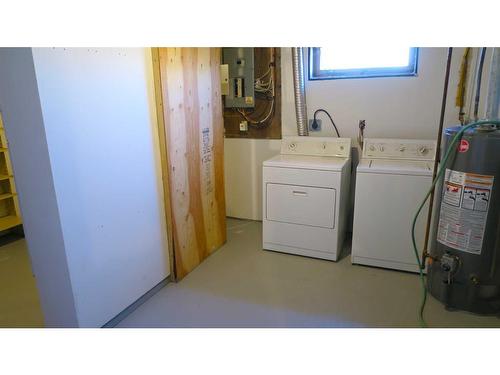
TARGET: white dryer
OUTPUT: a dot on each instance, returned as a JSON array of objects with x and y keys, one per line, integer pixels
[
  {"x": 306, "y": 195},
  {"x": 392, "y": 179}
]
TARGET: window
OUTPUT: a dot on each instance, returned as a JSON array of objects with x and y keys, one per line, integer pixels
[{"x": 366, "y": 62}]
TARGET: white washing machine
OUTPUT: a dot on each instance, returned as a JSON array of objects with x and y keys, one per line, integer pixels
[
  {"x": 392, "y": 179},
  {"x": 306, "y": 196}
]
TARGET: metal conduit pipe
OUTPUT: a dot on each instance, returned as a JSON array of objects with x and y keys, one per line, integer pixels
[
  {"x": 299, "y": 90},
  {"x": 493, "y": 100}
]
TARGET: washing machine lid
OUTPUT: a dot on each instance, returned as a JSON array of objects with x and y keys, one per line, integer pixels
[
  {"x": 325, "y": 163},
  {"x": 407, "y": 167}
]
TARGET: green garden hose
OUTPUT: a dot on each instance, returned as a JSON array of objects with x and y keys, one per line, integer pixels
[{"x": 442, "y": 168}]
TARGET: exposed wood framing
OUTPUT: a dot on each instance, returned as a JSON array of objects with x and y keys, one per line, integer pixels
[
  {"x": 191, "y": 142},
  {"x": 164, "y": 158}
]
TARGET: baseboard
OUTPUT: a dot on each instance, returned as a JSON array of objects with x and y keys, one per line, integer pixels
[{"x": 130, "y": 309}]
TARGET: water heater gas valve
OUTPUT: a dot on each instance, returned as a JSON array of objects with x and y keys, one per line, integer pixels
[{"x": 449, "y": 263}]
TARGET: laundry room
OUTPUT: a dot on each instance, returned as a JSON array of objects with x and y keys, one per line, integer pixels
[
  {"x": 199, "y": 180},
  {"x": 289, "y": 179},
  {"x": 392, "y": 122}
]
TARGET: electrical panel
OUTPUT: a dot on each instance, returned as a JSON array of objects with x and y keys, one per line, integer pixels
[{"x": 241, "y": 92}]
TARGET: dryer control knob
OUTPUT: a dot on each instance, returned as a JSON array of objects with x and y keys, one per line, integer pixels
[
  {"x": 371, "y": 148},
  {"x": 292, "y": 146},
  {"x": 422, "y": 150}
]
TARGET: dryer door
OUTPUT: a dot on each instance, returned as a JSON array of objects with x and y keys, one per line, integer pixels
[{"x": 304, "y": 205}]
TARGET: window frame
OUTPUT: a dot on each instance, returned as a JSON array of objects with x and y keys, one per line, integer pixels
[{"x": 316, "y": 74}]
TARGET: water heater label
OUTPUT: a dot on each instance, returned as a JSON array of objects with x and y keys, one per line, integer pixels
[
  {"x": 464, "y": 210},
  {"x": 463, "y": 146}
]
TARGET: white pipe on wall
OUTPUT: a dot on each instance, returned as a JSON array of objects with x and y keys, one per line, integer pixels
[{"x": 493, "y": 99}]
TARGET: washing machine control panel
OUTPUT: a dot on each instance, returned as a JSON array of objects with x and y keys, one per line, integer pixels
[
  {"x": 316, "y": 146},
  {"x": 412, "y": 149}
]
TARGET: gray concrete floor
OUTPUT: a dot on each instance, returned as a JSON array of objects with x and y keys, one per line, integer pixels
[
  {"x": 241, "y": 285},
  {"x": 19, "y": 300}
]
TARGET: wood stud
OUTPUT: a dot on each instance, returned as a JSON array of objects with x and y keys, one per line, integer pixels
[{"x": 191, "y": 144}]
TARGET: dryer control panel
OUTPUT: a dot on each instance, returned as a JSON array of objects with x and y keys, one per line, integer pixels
[
  {"x": 316, "y": 146},
  {"x": 407, "y": 149}
]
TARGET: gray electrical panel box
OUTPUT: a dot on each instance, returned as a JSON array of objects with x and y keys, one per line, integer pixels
[{"x": 241, "y": 77}]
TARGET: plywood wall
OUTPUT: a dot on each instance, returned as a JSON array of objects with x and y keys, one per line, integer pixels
[{"x": 192, "y": 152}]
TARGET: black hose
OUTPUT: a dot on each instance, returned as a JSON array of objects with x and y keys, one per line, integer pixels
[
  {"x": 330, "y": 117},
  {"x": 478, "y": 82}
]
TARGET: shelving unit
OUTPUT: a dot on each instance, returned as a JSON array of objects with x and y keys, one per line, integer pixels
[{"x": 10, "y": 215}]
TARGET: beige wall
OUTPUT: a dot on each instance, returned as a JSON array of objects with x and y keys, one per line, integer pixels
[
  {"x": 243, "y": 175},
  {"x": 397, "y": 107}
]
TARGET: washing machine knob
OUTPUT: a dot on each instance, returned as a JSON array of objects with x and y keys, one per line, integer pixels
[
  {"x": 371, "y": 148},
  {"x": 422, "y": 150},
  {"x": 292, "y": 146}
]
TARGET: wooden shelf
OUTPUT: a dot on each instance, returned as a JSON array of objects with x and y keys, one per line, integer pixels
[
  {"x": 10, "y": 214},
  {"x": 8, "y": 222},
  {"x": 6, "y": 196}
]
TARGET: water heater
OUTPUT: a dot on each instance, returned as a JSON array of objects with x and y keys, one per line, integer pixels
[{"x": 464, "y": 268}]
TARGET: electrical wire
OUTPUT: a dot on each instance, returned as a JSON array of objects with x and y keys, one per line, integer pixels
[
  {"x": 444, "y": 161},
  {"x": 258, "y": 122},
  {"x": 330, "y": 117},
  {"x": 265, "y": 74},
  {"x": 266, "y": 88}
]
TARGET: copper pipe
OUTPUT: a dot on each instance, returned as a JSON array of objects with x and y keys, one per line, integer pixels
[
  {"x": 479, "y": 75},
  {"x": 425, "y": 253}
]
